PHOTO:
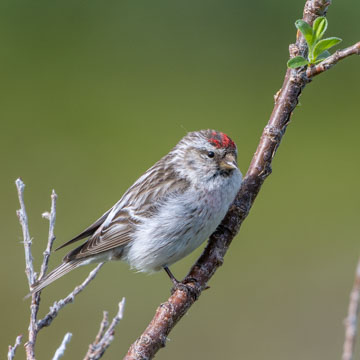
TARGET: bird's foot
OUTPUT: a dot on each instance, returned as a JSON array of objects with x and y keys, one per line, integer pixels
[{"x": 189, "y": 285}]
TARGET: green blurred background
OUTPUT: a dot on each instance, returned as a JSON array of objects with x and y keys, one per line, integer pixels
[{"x": 94, "y": 92}]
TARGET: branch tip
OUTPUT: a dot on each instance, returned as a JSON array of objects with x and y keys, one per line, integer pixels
[
  {"x": 61, "y": 349},
  {"x": 12, "y": 349},
  {"x": 58, "y": 305},
  {"x": 351, "y": 320},
  {"x": 105, "y": 337}
]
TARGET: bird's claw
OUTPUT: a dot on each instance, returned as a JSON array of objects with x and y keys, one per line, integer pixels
[{"x": 189, "y": 285}]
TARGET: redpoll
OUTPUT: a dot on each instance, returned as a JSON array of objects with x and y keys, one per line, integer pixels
[{"x": 167, "y": 213}]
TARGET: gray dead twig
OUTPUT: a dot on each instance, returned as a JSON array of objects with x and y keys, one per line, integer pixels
[
  {"x": 58, "y": 305},
  {"x": 61, "y": 349},
  {"x": 36, "y": 325},
  {"x": 12, "y": 349},
  {"x": 105, "y": 337},
  {"x": 351, "y": 319}
]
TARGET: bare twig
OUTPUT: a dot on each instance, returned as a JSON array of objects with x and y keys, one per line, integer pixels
[
  {"x": 36, "y": 325},
  {"x": 12, "y": 349},
  {"x": 104, "y": 338},
  {"x": 103, "y": 325},
  {"x": 58, "y": 305},
  {"x": 51, "y": 238},
  {"x": 61, "y": 350},
  {"x": 333, "y": 60},
  {"x": 29, "y": 270},
  {"x": 351, "y": 320},
  {"x": 169, "y": 313}
]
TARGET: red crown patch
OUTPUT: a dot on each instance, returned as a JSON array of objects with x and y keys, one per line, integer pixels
[{"x": 221, "y": 140}]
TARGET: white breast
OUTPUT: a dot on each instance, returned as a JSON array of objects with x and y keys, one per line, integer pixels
[{"x": 182, "y": 224}]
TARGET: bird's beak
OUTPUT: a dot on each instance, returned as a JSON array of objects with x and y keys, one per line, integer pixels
[{"x": 228, "y": 162}]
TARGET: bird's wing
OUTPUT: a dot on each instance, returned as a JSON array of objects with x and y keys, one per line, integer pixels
[
  {"x": 142, "y": 200},
  {"x": 88, "y": 231}
]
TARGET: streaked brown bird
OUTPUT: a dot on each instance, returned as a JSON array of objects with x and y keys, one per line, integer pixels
[{"x": 167, "y": 213}]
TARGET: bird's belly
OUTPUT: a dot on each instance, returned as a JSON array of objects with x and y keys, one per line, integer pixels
[{"x": 178, "y": 229}]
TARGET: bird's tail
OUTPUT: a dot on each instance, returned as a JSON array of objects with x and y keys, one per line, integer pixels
[{"x": 58, "y": 272}]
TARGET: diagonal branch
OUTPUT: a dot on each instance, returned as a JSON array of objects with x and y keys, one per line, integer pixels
[
  {"x": 12, "y": 349},
  {"x": 351, "y": 320},
  {"x": 59, "y": 353},
  {"x": 103, "y": 325},
  {"x": 105, "y": 337},
  {"x": 169, "y": 313},
  {"x": 333, "y": 60},
  {"x": 58, "y": 305}
]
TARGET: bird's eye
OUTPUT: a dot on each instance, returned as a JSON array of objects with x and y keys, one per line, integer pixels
[{"x": 210, "y": 154}]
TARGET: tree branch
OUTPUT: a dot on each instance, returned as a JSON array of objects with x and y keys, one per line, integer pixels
[
  {"x": 351, "y": 320},
  {"x": 169, "y": 313},
  {"x": 29, "y": 270},
  {"x": 58, "y": 305},
  {"x": 36, "y": 325},
  {"x": 333, "y": 60},
  {"x": 12, "y": 349},
  {"x": 104, "y": 338},
  {"x": 61, "y": 350},
  {"x": 51, "y": 238},
  {"x": 103, "y": 325}
]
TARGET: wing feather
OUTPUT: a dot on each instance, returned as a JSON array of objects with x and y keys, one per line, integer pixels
[
  {"x": 142, "y": 200},
  {"x": 88, "y": 231},
  {"x": 58, "y": 272}
]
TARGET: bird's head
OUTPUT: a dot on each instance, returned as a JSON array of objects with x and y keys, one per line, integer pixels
[{"x": 207, "y": 155}]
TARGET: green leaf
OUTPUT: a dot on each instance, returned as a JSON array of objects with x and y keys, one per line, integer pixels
[
  {"x": 318, "y": 61},
  {"x": 319, "y": 27},
  {"x": 296, "y": 62},
  {"x": 325, "y": 54},
  {"x": 306, "y": 30},
  {"x": 324, "y": 44}
]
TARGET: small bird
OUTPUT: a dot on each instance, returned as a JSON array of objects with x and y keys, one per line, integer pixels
[{"x": 167, "y": 213}]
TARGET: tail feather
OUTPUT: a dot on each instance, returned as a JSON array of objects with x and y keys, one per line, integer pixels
[{"x": 58, "y": 272}]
